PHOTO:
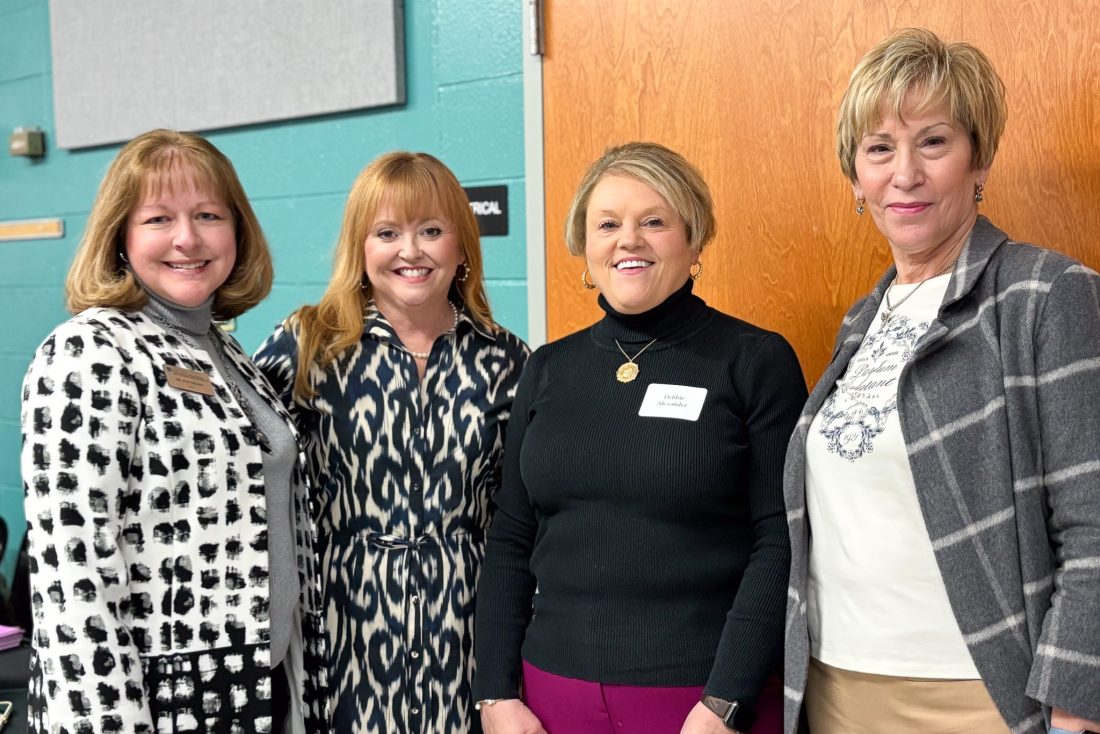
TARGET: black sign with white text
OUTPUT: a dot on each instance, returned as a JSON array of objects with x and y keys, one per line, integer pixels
[{"x": 490, "y": 205}]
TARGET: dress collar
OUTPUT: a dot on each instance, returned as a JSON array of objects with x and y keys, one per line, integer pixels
[{"x": 376, "y": 325}]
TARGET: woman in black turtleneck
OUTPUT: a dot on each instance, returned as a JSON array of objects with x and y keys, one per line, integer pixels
[
  {"x": 173, "y": 576},
  {"x": 636, "y": 569}
]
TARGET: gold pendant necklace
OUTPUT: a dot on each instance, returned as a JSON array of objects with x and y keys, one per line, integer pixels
[{"x": 628, "y": 370}]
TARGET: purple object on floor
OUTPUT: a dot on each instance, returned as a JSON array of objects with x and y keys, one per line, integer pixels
[{"x": 10, "y": 637}]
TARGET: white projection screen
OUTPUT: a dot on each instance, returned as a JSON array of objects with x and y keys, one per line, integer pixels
[{"x": 121, "y": 67}]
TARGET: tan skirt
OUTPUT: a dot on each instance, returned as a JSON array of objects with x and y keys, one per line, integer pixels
[{"x": 846, "y": 702}]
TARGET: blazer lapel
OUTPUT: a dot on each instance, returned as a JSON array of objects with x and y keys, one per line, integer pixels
[
  {"x": 258, "y": 381},
  {"x": 984, "y": 240}
]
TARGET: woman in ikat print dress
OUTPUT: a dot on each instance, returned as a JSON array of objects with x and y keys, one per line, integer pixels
[{"x": 401, "y": 384}]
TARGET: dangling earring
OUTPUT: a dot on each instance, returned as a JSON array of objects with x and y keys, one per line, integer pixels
[
  {"x": 122, "y": 256},
  {"x": 465, "y": 273},
  {"x": 695, "y": 275},
  {"x": 859, "y": 206},
  {"x": 585, "y": 281},
  {"x": 979, "y": 192}
]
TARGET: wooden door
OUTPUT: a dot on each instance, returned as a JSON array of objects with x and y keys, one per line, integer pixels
[{"x": 748, "y": 91}]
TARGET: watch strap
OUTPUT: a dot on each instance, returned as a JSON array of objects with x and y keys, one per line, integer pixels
[
  {"x": 723, "y": 709},
  {"x": 732, "y": 713}
]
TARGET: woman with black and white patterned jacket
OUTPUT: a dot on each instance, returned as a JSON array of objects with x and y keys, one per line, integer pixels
[
  {"x": 173, "y": 579},
  {"x": 402, "y": 385}
]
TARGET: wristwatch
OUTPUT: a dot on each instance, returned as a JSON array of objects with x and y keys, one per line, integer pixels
[{"x": 732, "y": 713}]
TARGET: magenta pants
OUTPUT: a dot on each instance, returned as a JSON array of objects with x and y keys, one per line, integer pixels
[{"x": 571, "y": 706}]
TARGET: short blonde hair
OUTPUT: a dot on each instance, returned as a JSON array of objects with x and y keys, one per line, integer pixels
[
  {"x": 417, "y": 185},
  {"x": 149, "y": 163},
  {"x": 663, "y": 170},
  {"x": 915, "y": 61}
]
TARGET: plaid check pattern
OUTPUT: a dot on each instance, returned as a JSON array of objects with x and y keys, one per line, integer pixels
[{"x": 1000, "y": 409}]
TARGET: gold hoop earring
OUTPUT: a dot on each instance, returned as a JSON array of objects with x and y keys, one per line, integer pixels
[
  {"x": 979, "y": 192},
  {"x": 584, "y": 280},
  {"x": 695, "y": 275},
  {"x": 465, "y": 273},
  {"x": 859, "y": 207}
]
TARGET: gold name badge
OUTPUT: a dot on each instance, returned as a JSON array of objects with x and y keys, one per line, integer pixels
[{"x": 189, "y": 380}]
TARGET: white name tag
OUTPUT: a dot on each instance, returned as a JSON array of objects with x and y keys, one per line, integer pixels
[{"x": 673, "y": 401}]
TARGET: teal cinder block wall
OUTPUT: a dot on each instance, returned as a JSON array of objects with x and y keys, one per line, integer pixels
[{"x": 464, "y": 85}]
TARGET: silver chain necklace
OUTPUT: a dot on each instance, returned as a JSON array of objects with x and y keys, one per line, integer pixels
[{"x": 891, "y": 307}]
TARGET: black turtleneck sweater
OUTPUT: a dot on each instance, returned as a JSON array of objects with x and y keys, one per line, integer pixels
[{"x": 658, "y": 546}]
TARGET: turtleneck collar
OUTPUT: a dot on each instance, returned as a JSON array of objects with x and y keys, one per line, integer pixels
[
  {"x": 194, "y": 320},
  {"x": 673, "y": 314}
]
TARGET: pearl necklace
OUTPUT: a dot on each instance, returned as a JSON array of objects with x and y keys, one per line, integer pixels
[{"x": 454, "y": 327}]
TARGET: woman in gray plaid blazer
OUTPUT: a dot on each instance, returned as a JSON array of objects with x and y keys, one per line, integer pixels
[{"x": 943, "y": 483}]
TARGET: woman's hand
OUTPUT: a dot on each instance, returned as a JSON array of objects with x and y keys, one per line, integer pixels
[
  {"x": 702, "y": 720},
  {"x": 510, "y": 716},
  {"x": 1065, "y": 720}
]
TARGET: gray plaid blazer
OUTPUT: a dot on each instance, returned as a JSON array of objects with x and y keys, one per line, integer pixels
[{"x": 1000, "y": 410}]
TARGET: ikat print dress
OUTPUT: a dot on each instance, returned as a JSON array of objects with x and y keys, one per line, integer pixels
[{"x": 405, "y": 472}]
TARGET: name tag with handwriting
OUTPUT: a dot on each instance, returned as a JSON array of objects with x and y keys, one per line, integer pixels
[
  {"x": 189, "y": 380},
  {"x": 673, "y": 401}
]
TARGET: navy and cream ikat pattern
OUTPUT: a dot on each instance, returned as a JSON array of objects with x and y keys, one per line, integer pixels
[
  {"x": 999, "y": 409},
  {"x": 404, "y": 473},
  {"x": 146, "y": 519}
]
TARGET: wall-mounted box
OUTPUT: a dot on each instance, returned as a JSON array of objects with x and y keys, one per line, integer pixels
[{"x": 27, "y": 141}]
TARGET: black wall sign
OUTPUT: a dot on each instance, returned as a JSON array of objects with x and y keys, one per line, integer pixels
[{"x": 490, "y": 205}]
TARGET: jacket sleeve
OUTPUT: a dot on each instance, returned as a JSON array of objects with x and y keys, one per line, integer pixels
[
  {"x": 1066, "y": 670},
  {"x": 506, "y": 586},
  {"x": 277, "y": 359},
  {"x": 751, "y": 646},
  {"x": 516, "y": 352},
  {"x": 80, "y": 418}
]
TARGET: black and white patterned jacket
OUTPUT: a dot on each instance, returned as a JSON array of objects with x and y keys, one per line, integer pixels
[
  {"x": 146, "y": 517},
  {"x": 999, "y": 409}
]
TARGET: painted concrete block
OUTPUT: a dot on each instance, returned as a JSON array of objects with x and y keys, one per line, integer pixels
[
  {"x": 483, "y": 138},
  {"x": 478, "y": 41}
]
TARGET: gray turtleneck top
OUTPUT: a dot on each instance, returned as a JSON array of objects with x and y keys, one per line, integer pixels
[{"x": 195, "y": 324}]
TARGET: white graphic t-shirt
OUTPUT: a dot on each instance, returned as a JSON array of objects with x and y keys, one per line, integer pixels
[{"x": 876, "y": 603}]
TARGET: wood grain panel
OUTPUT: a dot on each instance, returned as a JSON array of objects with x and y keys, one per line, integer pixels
[{"x": 748, "y": 91}]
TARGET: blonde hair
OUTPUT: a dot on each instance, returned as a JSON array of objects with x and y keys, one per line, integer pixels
[
  {"x": 416, "y": 185},
  {"x": 663, "y": 170},
  {"x": 150, "y": 163},
  {"x": 913, "y": 69}
]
